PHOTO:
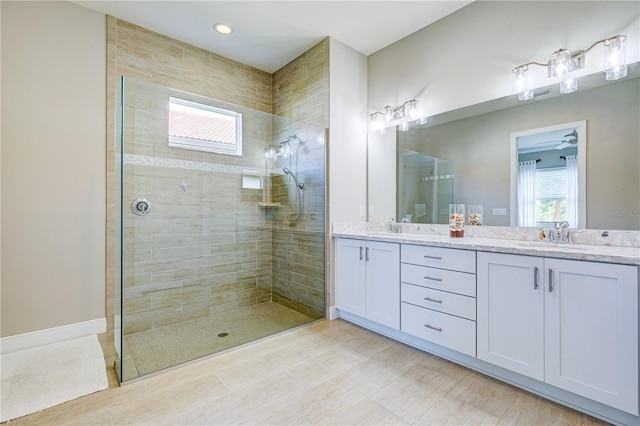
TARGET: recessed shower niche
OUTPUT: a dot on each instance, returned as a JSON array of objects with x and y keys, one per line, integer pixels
[{"x": 211, "y": 266}]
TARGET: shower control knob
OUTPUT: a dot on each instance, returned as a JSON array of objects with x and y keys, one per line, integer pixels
[{"x": 141, "y": 206}]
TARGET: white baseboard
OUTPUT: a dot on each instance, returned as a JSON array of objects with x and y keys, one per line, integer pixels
[
  {"x": 334, "y": 313},
  {"x": 52, "y": 335}
]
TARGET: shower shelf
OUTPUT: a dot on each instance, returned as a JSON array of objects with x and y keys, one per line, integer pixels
[{"x": 269, "y": 205}]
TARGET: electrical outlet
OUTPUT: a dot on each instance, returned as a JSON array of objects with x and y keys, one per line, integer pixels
[{"x": 499, "y": 212}]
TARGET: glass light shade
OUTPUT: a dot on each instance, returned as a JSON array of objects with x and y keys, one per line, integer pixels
[
  {"x": 615, "y": 58},
  {"x": 388, "y": 114},
  {"x": 412, "y": 109},
  {"x": 521, "y": 84},
  {"x": 285, "y": 150},
  {"x": 560, "y": 63},
  {"x": 375, "y": 123},
  {"x": 568, "y": 85},
  {"x": 270, "y": 153}
]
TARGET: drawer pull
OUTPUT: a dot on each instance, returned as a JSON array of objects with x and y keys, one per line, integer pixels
[
  {"x": 428, "y": 299},
  {"x": 432, "y": 327},
  {"x": 535, "y": 277},
  {"x": 433, "y": 257},
  {"x": 550, "y": 280},
  {"x": 360, "y": 252},
  {"x": 433, "y": 279}
]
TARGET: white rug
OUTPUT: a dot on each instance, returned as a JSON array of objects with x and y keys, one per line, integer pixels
[{"x": 38, "y": 378}]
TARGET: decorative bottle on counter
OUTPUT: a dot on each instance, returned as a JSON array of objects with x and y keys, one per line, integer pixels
[
  {"x": 456, "y": 220},
  {"x": 475, "y": 214}
]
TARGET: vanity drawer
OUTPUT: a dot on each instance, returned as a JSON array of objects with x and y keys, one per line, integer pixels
[
  {"x": 452, "y": 332},
  {"x": 438, "y": 257},
  {"x": 441, "y": 301},
  {"x": 439, "y": 279}
]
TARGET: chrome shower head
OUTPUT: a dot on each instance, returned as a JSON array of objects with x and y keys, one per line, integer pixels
[{"x": 288, "y": 172}]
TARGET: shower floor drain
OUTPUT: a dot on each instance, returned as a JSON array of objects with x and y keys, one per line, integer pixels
[{"x": 223, "y": 334}]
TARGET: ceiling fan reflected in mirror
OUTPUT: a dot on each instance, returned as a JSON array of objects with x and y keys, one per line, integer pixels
[{"x": 572, "y": 139}]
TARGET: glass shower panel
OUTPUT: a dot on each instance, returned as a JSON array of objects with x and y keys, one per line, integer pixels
[
  {"x": 425, "y": 187},
  {"x": 218, "y": 249}
]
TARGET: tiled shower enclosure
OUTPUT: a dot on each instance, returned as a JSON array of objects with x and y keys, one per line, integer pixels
[{"x": 217, "y": 248}]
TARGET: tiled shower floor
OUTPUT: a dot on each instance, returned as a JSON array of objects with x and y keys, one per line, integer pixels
[{"x": 153, "y": 350}]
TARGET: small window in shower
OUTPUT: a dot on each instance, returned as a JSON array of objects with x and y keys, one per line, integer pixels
[{"x": 202, "y": 127}]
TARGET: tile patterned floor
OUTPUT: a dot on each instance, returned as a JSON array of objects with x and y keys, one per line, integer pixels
[
  {"x": 324, "y": 373},
  {"x": 153, "y": 350}
]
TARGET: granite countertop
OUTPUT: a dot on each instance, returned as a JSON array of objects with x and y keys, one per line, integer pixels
[{"x": 587, "y": 252}]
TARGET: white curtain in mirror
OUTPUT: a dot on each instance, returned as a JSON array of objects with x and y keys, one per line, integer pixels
[
  {"x": 572, "y": 191},
  {"x": 527, "y": 193}
]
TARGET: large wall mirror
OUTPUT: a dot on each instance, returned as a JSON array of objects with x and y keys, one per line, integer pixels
[{"x": 481, "y": 142}]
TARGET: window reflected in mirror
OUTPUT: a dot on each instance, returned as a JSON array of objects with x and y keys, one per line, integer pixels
[{"x": 548, "y": 182}]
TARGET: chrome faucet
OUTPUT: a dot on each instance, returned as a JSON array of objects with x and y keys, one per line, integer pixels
[
  {"x": 560, "y": 234},
  {"x": 393, "y": 226}
]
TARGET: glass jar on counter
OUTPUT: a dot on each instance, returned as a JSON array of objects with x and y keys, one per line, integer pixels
[
  {"x": 456, "y": 220},
  {"x": 474, "y": 211}
]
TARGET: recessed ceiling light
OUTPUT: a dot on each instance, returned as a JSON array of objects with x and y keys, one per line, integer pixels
[{"x": 223, "y": 29}]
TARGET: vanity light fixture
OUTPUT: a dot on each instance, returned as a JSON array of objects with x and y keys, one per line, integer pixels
[
  {"x": 403, "y": 114},
  {"x": 564, "y": 61}
]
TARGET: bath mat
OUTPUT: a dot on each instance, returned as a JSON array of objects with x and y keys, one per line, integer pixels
[{"x": 38, "y": 378}]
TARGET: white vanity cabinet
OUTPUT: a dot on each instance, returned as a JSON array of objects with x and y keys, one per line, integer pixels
[
  {"x": 367, "y": 280},
  {"x": 571, "y": 324},
  {"x": 438, "y": 296},
  {"x": 511, "y": 312}
]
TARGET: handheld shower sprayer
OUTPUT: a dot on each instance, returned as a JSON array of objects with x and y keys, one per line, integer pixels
[{"x": 288, "y": 172}]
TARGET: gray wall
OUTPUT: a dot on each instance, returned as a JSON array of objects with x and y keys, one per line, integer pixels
[{"x": 53, "y": 165}]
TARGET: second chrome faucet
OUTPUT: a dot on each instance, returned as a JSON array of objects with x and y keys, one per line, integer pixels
[{"x": 560, "y": 234}]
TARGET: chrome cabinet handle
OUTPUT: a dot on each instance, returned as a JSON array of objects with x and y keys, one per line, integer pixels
[
  {"x": 535, "y": 277},
  {"x": 433, "y": 279},
  {"x": 360, "y": 252},
  {"x": 366, "y": 254},
  {"x": 432, "y": 327},
  {"x": 550, "y": 280},
  {"x": 432, "y": 257},
  {"x": 428, "y": 299}
]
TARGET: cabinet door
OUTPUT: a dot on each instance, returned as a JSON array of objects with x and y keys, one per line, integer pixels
[
  {"x": 350, "y": 276},
  {"x": 382, "y": 290},
  {"x": 591, "y": 331},
  {"x": 510, "y": 312}
]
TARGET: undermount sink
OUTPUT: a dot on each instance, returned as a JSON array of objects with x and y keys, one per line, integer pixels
[{"x": 551, "y": 245}]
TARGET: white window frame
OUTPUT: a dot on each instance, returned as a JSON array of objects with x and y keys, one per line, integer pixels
[{"x": 207, "y": 145}]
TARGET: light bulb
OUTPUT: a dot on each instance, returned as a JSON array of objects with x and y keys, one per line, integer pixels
[
  {"x": 412, "y": 109},
  {"x": 560, "y": 62},
  {"x": 521, "y": 84},
  {"x": 285, "y": 150},
  {"x": 388, "y": 114},
  {"x": 375, "y": 122},
  {"x": 615, "y": 58},
  {"x": 270, "y": 153}
]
